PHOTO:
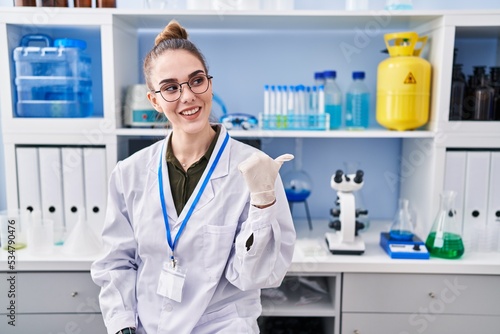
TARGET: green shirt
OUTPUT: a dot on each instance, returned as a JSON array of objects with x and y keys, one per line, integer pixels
[{"x": 182, "y": 183}]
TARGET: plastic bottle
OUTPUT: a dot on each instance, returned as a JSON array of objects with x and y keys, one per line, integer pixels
[
  {"x": 267, "y": 101},
  {"x": 291, "y": 101},
  {"x": 357, "y": 104},
  {"x": 319, "y": 79},
  {"x": 333, "y": 100}
]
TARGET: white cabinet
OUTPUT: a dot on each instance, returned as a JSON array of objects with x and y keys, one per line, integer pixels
[
  {"x": 368, "y": 323},
  {"x": 59, "y": 302},
  {"x": 407, "y": 303}
]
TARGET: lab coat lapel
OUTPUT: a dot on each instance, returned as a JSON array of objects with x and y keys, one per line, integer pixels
[
  {"x": 221, "y": 170},
  {"x": 152, "y": 186}
]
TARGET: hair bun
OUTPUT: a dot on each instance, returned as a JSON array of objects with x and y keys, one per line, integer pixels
[{"x": 173, "y": 30}]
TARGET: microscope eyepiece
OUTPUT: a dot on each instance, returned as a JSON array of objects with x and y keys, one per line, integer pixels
[
  {"x": 359, "y": 177},
  {"x": 338, "y": 176}
]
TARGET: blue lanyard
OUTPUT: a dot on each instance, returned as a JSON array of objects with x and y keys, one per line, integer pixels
[{"x": 197, "y": 198}]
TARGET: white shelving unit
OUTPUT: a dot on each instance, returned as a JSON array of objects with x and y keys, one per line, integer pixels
[{"x": 116, "y": 34}]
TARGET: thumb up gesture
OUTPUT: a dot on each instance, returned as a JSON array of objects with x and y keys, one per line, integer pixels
[{"x": 260, "y": 172}]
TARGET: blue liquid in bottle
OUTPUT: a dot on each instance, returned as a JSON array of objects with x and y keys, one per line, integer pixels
[
  {"x": 333, "y": 99},
  {"x": 335, "y": 112},
  {"x": 357, "y": 103}
]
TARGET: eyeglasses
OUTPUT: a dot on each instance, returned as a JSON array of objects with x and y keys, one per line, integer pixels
[{"x": 172, "y": 91}]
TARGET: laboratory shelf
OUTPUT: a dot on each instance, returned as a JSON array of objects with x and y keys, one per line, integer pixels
[
  {"x": 375, "y": 133},
  {"x": 60, "y": 125},
  {"x": 322, "y": 308},
  {"x": 280, "y": 20}
]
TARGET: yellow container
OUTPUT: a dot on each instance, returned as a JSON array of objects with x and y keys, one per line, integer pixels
[{"x": 403, "y": 83}]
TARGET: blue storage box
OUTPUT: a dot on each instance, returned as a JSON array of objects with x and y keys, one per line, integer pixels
[
  {"x": 54, "y": 97},
  {"x": 52, "y": 80}
]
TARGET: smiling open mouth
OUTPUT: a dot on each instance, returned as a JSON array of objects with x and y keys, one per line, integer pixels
[{"x": 190, "y": 111}]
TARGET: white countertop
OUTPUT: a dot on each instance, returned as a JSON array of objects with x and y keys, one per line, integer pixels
[{"x": 311, "y": 257}]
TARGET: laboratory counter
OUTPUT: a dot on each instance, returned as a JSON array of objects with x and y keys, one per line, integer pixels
[{"x": 311, "y": 257}]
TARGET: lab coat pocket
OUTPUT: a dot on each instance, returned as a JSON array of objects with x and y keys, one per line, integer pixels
[{"x": 217, "y": 244}]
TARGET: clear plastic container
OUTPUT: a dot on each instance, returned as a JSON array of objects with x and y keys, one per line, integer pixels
[
  {"x": 65, "y": 58},
  {"x": 333, "y": 100},
  {"x": 54, "y": 79},
  {"x": 54, "y": 97},
  {"x": 357, "y": 103}
]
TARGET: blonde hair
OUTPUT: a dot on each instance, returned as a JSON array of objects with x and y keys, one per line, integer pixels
[{"x": 172, "y": 37}]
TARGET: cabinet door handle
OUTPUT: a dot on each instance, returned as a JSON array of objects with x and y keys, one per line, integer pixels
[
  {"x": 74, "y": 294},
  {"x": 356, "y": 332},
  {"x": 432, "y": 295}
]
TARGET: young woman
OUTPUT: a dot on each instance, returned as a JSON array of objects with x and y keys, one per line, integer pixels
[{"x": 197, "y": 223}]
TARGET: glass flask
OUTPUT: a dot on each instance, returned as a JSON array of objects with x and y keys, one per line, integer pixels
[
  {"x": 297, "y": 185},
  {"x": 445, "y": 237},
  {"x": 402, "y": 225}
]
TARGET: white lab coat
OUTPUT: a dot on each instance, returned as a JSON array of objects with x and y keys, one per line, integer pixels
[{"x": 223, "y": 281}]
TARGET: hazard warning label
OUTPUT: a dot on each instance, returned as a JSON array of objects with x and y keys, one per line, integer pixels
[{"x": 410, "y": 79}]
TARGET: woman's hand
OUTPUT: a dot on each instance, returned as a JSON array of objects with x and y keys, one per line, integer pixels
[{"x": 260, "y": 172}]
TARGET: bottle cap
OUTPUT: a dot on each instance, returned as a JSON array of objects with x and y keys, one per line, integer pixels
[
  {"x": 330, "y": 74},
  {"x": 70, "y": 43},
  {"x": 318, "y": 76},
  {"x": 358, "y": 75}
]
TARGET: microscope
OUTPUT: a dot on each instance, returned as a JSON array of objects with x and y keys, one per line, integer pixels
[{"x": 345, "y": 239}]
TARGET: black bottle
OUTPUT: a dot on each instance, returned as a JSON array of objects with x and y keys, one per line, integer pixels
[
  {"x": 457, "y": 93},
  {"x": 469, "y": 110},
  {"x": 495, "y": 84},
  {"x": 483, "y": 100}
]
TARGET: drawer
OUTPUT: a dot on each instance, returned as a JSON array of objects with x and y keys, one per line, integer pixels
[
  {"x": 52, "y": 292},
  {"x": 55, "y": 323},
  {"x": 372, "y": 323},
  {"x": 422, "y": 293}
]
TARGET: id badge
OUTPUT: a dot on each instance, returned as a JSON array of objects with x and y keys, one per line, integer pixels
[{"x": 171, "y": 282}]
